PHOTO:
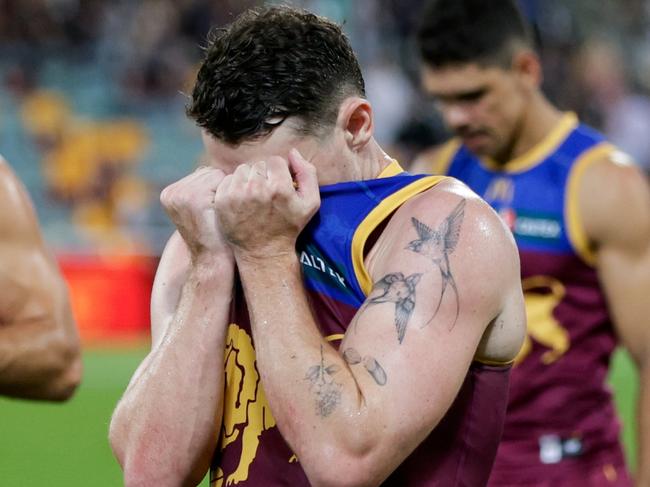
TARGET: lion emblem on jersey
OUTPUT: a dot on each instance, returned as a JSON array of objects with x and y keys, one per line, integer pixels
[
  {"x": 542, "y": 294},
  {"x": 246, "y": 413}
]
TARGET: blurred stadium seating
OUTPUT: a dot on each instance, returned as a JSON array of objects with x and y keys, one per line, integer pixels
[{"x": 92, "y": 96}]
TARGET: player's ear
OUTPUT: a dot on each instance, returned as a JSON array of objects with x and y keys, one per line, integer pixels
[
  {"x": 527, "y": 65},
  {"x": 355, "y": 121}
]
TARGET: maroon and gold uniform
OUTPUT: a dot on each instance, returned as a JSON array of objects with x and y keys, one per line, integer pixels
[
  {"x": 561, "y": 428},
  {"x": 251, "y": 450}
]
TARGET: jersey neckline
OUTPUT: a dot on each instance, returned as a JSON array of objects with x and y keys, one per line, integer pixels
[{"x": 539, "y": 152}]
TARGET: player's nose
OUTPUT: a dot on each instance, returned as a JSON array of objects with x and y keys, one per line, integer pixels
[{"x": 457, "y": 116}]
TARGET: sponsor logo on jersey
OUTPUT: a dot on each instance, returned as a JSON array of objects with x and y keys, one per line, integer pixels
[
  {"x": 531, "y": 225},
  {"x": 316, "y": 266},
  {"x": 537, "y": 227}
]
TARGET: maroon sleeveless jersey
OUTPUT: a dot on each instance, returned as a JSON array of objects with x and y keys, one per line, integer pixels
[
  {"x": 251, "y": 450},
  {"x": 560, "y": 417}
]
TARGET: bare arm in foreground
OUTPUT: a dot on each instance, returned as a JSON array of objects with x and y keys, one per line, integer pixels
[
  {"x": 165, "y": 427},
  {"x": 40, "y": 356}
]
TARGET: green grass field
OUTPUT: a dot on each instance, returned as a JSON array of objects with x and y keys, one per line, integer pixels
[{"x": 65, "y": 445}]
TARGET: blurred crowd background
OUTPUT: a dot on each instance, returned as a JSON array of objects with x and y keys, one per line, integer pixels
[
  {"x": 92, "y": 96},
  {"x": 92, "y": 118},
  {"x": 92, "y": 114}
]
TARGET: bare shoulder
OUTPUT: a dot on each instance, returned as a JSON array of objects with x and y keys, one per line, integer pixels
[
  {"x": 29, "y": 275},
  {"x": 474, "y": 228},
  {"x": 614, "y": 202},
  {"x": 17, "y": 216},
  {"x": 12, "y": 192},
  {"x": 468, "y": 261},
  {"x": 487, "y": 266}
]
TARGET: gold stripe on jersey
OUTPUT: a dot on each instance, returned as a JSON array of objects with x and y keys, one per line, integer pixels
[
  {"x": 335, "y": 337},
  {"x": 574, "y": 225},
  {"x": 393, "y": 169},
  {"x": 378, "y": 215},
  {"x": 538, "y": 153},
  {"x": 445, "y": 155},
  {"x": 494, "y": 363}
]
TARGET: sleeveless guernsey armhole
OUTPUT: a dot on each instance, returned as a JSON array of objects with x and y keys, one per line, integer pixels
[
  {"x": 440, "y": 165},
  {"x": 494, "y": 363},
  {"x": 575, "y": 229},
  {"x": 375, "y": 217}
]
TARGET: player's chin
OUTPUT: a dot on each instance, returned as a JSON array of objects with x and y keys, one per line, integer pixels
[{"x": 480, "y": 144}]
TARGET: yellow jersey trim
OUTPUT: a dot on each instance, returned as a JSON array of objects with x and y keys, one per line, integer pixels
[
  {"x": 375, "y": 217},
  {"x": 494, "y": 363},
  {"x": 442, "y": 161},
  {"x": 539, "y": 152},
  {"x": 335, "y": 337},
  {"x": 575, "y": 228},
  {"x": 393, "y": 169}
]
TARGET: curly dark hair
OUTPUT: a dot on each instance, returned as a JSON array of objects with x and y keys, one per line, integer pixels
[
  {"x": 486, "y": 32},
  {"x": 270, "y": 64}
]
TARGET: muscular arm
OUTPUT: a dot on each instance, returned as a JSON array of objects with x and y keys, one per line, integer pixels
[
  {"x": 39, "y": 346},
  {"x": 403, "y": 359},
  {"x": 165, "y": 427},
  {"x": 618, "y": 223}
]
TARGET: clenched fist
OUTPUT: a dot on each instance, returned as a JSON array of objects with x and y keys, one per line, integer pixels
[
  {"x": 189, "y": 203},
  {"x": 261, "y": 210}
]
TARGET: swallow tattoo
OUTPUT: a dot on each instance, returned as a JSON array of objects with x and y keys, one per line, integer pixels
[
  {"x": 399, "y": 290},
  {"x": 437, "y": 245}
]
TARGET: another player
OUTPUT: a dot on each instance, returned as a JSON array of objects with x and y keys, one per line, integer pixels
[
  {"x": 39, "y": 347},
  {"x": 580, "y": 213}
]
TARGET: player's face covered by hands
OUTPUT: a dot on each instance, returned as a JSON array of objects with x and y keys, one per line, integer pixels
[
  {"x": 189, "y": 203},
  {"x": 262, "y": 207}
]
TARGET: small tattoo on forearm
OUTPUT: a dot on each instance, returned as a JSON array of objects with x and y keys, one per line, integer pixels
[
  {"x": 399, "y": 290},
  {"x": 351, "y": 356},
  {"x": 438, "y": 245},
  {"x": 328, "y": 392},
  {"x": 375, "y": 370}
]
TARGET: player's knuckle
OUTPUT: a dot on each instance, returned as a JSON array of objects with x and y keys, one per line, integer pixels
[{"x": 278, "y": 191}]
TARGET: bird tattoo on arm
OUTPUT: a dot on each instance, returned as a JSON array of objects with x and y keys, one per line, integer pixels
[
  {"x": 437, "y": 245},
  {"x": 399, "y": 290}
]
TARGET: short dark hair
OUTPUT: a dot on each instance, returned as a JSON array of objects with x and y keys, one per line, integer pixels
[
  {"x": 486, "y": 32},
  {"x": 269, "y": 64}
]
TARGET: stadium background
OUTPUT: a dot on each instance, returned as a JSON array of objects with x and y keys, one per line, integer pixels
[{"x": 92, "y": 97}]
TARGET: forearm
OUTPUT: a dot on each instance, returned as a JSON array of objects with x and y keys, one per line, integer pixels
[
  {"x": 166, "y": 425},
  {"x": 40, "y": 357},
  {"x": 320, "y": 414},
  {"x": 643, "y": 470}
]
